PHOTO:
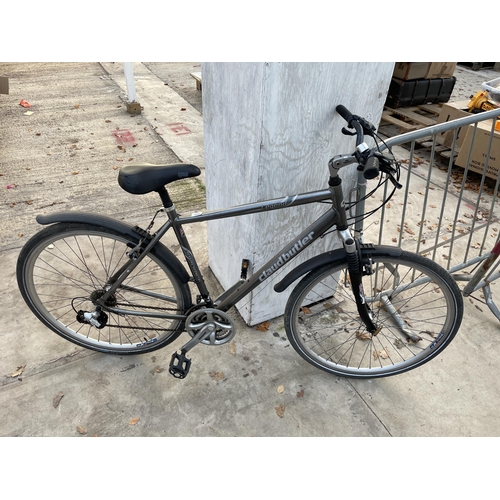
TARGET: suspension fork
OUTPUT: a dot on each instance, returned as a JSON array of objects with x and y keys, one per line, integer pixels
[
  {"x": 355, "y": 269},
  {"x": 354, "y": 262}
]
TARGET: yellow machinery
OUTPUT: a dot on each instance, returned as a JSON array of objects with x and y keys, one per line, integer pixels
[{"x": 480, "y": 102}]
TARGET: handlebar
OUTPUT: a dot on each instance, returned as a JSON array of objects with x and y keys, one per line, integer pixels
[
  {"x": 368, "y": 162},
  {"x": 344, "y": 113}
]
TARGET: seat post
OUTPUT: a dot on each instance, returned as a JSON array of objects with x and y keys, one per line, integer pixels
[{"x": 165, "y": 198}]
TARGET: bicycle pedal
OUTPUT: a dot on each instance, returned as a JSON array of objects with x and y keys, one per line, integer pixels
[{"x": 179, "y": 365}]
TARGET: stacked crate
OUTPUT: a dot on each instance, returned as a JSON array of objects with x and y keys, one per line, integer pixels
[{"x": 415, "y": 83}]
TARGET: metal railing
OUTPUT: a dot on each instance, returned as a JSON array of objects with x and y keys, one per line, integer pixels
[{"x": 440, "y": 212}]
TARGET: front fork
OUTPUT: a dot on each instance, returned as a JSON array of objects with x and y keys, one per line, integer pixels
[
  {"x": 354, "y": 261},
  {"x": 355, "y": 269}
]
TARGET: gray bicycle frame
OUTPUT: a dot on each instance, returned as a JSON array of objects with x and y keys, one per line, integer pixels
[
  {"x": 314, "y": 231},
  {"x": 335, "y": 215}
]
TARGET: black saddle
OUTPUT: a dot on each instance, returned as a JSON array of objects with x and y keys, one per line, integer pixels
[{"x": 142, "y": 178}]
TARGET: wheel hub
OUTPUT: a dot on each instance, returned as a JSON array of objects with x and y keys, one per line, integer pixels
[{"x": 97, "y": 294}]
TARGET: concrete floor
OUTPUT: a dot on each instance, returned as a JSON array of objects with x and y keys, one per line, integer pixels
[{"x": 64, "y": 156}]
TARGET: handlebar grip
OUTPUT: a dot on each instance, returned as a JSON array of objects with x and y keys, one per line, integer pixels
[
  {"x": 372, "y": 168},
  {"x": 344, "y": 113}
]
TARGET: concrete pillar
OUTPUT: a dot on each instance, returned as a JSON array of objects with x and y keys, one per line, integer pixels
[{"x": 270, "y": 129}]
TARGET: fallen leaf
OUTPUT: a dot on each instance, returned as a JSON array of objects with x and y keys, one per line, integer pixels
[
  {"x": 76, "y": 172},
  {"x": 306, "y": 310},
  {"x": 399, "y": 343},
  {"x": 363, "y": 336},
  {"x": 57, "y": 399},
  {"x": 380, "y": 354},
  {"x": 217, "y": 375},
  {"x": 300, "y": 394},
  {"x": 280, "y": 389},
  {"x": 81, "y": 430},
  {"x": 134, "y": 421},
  {"x": 263, "y": 327},
  {"x": 76, "y": 106},
  {"x": 232, "y": 348},
  {"x": 280, "y": 411},
  {"x": 18, "y": 372}
]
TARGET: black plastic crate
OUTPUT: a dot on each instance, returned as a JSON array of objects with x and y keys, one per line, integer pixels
[{"x": 423, "y": 91}]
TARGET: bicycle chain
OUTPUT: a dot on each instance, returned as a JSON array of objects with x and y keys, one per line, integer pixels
[{"x": 143, "y": 328}]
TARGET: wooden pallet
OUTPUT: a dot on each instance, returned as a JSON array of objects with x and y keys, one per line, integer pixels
[
  {"x": 443, "y": 152},
  {"x": 475, "y": 66},
  {"x": 410, "y": 118},
  {"x": 397, "y": 121}
]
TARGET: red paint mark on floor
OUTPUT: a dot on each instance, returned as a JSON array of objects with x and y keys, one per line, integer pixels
[
  {"x": 123, "y": 136},
  {"x": 179, "y": 128}
]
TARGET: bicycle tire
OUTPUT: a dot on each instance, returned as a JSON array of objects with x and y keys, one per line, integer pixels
[
  {"x": 324, "y": 327},
  {"x": 62, "y": 269}
]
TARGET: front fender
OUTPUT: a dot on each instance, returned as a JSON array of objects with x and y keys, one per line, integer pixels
[
  {"x": 332, "y": 258},
  {"x": 104, "y": 221}
]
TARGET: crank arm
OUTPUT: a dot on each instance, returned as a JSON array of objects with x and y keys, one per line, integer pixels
[
  {"x": 179, "y": 363},
  {"x": 204, "y": 333}
]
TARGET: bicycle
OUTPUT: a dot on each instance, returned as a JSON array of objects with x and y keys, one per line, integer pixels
[{"x": 360, "y": 311}]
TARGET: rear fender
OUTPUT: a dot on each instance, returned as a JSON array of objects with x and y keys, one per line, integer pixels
[
  {"x": 161, "y": 250},
  {"x": 333, "y": 258}
]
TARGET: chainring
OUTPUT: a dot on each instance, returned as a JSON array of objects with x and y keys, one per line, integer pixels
[{"x": 223, "y": 330}]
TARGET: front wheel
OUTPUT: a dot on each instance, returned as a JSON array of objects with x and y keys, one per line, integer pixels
[
  {"x": 63, "y": 270},
  {"x": 415, "y": 304}
]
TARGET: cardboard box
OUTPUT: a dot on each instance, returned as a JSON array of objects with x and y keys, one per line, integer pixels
[
  {"x": 452, "y": 111},
  {"x": 480, "y": 149},
  {"x": 416, "y": 70},
  {"x": 411, "y": 70},
  {"x": 4, "y": 85},
  {"x": 441, "y": 69}
]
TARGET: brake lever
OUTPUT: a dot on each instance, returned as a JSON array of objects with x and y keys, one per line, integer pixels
[
  {"x": 346, "y": 132},
  {"x": 387, "y": 170}
]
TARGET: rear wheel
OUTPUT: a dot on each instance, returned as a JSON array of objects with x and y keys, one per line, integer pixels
[
  {"x": 415, "y": 304},
  {"x": 62, "y": 272}
]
